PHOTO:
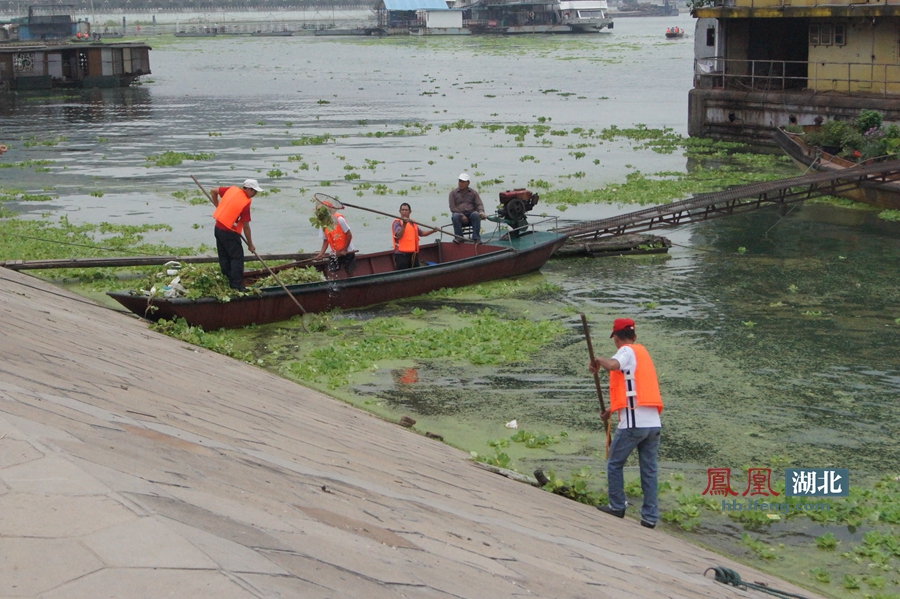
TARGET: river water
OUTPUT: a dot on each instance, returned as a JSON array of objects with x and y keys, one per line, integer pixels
[{"x": 775, "y": 334}]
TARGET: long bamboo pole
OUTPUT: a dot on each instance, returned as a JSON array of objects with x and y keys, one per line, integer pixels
[{"x": 587, "y": 336}]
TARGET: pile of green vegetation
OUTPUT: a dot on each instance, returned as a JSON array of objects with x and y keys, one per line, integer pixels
[
  {"x": 864, "y": 138},
  {"x": 207, "y": 280}
]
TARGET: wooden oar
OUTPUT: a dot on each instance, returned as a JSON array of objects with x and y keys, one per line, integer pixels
[
  {"x": 263, "y": 262},
  {"x": 587, "y": 336}
]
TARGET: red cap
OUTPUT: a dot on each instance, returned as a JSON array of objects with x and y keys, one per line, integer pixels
[{"x": 622, "y": 324}]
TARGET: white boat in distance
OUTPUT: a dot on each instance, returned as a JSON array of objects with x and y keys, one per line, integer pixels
[{"x": 535, "y": 16}]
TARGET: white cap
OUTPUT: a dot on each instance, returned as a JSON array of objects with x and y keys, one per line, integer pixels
[
  {"x": 464, "y": 177},
  {"x": 252, "y": 184}
]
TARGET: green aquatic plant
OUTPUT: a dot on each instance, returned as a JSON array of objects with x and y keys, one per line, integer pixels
[
  {"x": 534, "y": 440},
  {"x": 499, "y": 459},
  {"x": 484, "y": 338},
  {"x": 576, "y": 487},
  {"x": 759, "y": 547},
  {"x": 313, "y": 140},
  {"x": 821, "y": 575},
  {"x": 322, "y": 218},
  {"x": 171, "y": 158},
  {"x": 221, "y": 341},
  {"x": 827, "y": 542}
]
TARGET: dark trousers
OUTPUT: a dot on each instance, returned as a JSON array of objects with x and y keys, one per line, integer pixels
[
  {"x": 347, "y": 262},
  {"x": 404, "y": 260},
  {"x": 231, "y": 256}
]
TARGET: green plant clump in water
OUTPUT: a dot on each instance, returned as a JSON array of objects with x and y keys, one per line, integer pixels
[
  {"x": 534, "y": 440},
  {"x": 890, "y": 215},
  {"x": 576, "y": 487},
  {"x": 487, "y": 338},
  {"x": 760, "y": 548},
  {"x": 313, "y": 140},
  {"x": 221, "y": 341},
  {"x": 170, "y": 158},
  {"x": 664, "y": 187}
]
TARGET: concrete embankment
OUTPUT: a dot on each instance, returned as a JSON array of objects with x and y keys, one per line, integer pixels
[{"x": 135, "y": 465}]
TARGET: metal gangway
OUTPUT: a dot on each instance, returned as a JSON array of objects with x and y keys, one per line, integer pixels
[{"x": 738, "y": 200}]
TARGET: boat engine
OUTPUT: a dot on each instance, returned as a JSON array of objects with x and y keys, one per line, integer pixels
[{"x": 513, "y": 206}]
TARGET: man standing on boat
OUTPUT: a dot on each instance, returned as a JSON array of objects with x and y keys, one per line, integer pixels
[
  {"x": 232, "y": 216},
  {"x": 634, "y": 396},
  {"x": 466, "y": 208},
  {"x": 339, "y": 239},
  {"x": 406, "y": 239}
]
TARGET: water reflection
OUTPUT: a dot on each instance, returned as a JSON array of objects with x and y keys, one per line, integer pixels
[{"x": 74, "y": 107}]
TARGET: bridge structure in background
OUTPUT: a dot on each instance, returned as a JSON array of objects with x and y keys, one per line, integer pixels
[{"x": 738, "y": 200}]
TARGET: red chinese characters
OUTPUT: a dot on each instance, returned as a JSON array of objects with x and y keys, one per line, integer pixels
[{"x": 719, "y": 482}]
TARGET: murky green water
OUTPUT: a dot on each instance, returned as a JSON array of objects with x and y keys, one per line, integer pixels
[{"x": 775, "y": 335}]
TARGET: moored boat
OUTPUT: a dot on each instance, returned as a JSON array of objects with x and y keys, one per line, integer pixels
[
  {"x": 884, "y": 195},
  {"x": 42, "y": 66},
  {"x": 375, "y": 280},
  {"x": 536, "y": 16}
]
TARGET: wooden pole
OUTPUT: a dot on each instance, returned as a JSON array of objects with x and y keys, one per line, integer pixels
[{"x": 587, "y": 336}]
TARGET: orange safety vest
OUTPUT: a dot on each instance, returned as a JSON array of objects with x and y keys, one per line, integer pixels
[
  {"x": 336, "y": 237},
  {"x": 409, "y": 243},
  {"x": 230, "y": 207},
  {"x": 644, "y": 384}
]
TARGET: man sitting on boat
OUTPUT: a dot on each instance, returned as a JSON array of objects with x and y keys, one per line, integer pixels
[
  {"x": 340, "y": 240},
  {"x": 466, "y": 208},
  {"x": 232, "y": 216},
  {"x": 406, "y": 239}
]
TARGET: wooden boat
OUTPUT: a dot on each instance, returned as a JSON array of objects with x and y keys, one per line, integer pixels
[
  {"x": 374, "y": 281},
  {"x": 884, "y": 195},
  {"x": 674, "y": 33}
]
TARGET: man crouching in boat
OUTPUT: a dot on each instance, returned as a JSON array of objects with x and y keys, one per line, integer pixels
[
  {"x": 340, "y": 240},
  {"x": 406, "y": 239},
  {"x": 232, "y": 216}
]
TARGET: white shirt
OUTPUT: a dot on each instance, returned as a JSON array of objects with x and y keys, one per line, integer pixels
[
  {"x": 342, "y": 223},
  {"x": 634, "y": 416}
]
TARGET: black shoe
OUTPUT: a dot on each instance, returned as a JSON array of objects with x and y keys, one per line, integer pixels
[
  {"x": 646, "y": 524},
  {"x": 608, "y": 510},
  {"x": 458, "y": 240}
]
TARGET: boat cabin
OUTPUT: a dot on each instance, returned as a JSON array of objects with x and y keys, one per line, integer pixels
[{"x": 48, "y": 66}]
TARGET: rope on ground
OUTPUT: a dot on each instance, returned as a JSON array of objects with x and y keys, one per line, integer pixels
[{"x": 729, "y": 576}]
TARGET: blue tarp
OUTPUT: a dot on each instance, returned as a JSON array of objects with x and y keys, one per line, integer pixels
[{"x": 414, "y": 4}]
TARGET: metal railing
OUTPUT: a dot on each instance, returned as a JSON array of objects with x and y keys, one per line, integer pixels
[
  {"x": 864, "y": 78},
  {"x": 794, "y": 3}
]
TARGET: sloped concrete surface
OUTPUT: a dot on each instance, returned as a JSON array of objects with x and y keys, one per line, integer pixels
[{"x": 134, "y": 465}]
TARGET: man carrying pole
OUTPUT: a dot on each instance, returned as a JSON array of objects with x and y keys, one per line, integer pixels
[
  {"x": 232, "y": 216},
  {"x": 634, "y": 396}
]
